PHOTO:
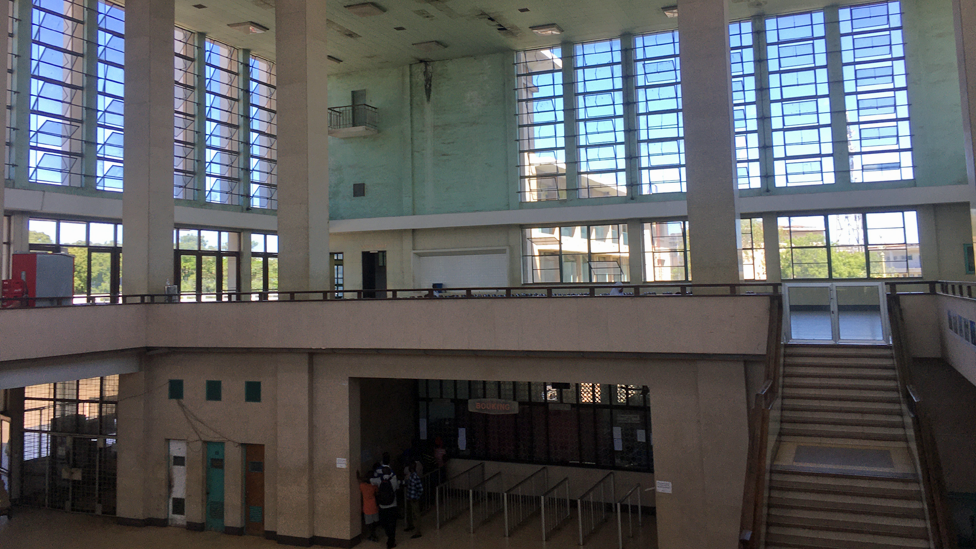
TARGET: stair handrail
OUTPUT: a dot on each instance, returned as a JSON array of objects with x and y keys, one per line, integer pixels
[
  {"x": 933, "y": 480},
  {"x": 754, "y": 492}
]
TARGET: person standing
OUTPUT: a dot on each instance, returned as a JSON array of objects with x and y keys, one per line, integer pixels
[
  {"x": 386, "y": 483},
  {"x": 415, "y": 489},
  {"x": 370, "y": 511}
]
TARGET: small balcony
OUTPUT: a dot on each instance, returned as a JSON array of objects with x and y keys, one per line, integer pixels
[{"x": 353, "y": 121}]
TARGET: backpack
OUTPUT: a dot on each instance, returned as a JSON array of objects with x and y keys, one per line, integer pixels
[{"x": 385, "y": 495}]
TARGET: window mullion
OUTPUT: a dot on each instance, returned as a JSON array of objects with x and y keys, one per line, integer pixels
[
  {"x": 570, "y": 129},
  {"x": 200, "y": 144},
  {"x": 244, "y": 124},
  {"x": 838, "y": 108},
  {"x": 631, "y": 150},
  {"x": 827, "y": 241},
  {"x": 89, "y": 98}
]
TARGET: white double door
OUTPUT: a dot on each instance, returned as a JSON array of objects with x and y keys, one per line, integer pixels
[{"x": 836, "y": 312}]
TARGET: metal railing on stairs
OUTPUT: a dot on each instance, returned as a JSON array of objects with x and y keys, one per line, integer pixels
[
  {"x": 628, "y": 500},
  {"x": 556, "y": 508},
  {"x": 485, "y": 500},
  {"x": 592, "y": 507},
  {"x": 760, "y": 453},
  {"x": 933, "y": 480},
  {"x": 523, "y": 500},
  {"x": 453, "y": 495}
]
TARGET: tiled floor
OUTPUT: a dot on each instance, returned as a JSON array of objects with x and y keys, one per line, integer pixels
[{"x": 42, "y": 528}]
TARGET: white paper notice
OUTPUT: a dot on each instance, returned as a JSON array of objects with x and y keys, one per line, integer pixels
[
  {"x": 462, "y": 439},
  {"x": 340, "y": 463},
  {"x": 617, "y": 433},
  {"x": 641, "y": 435},
  {"x": 618, "y": 444},
  {"x": 663, "y": 486},
  {"x": 423, "y": 429}
]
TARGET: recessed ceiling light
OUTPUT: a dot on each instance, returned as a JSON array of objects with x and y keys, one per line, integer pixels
[
  {"x": 546, "y": 30},
  {"x": 670, "y": 11},
  {"x": 334, "y": 60},
  {"x": 248, "y": 27},
  {"x": 523, "y": 10},
  {"x": 366, "y": 9},
  {"x": 199, "y": 6},
  {"x": 399, "y": 28},
  {"x": 430, "y": 46}
]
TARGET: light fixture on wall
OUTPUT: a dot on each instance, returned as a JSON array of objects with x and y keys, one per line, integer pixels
[
  {"x": 248, "y": 27},
  {"x": 546, "y": 30},
  {"x": 670, "y": 11}
]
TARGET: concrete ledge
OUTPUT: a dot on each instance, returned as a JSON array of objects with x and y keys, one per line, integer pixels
[
  {"x": 160, "y": 522},
  {"x": 195, "y": 526},
  {"x": 337, "y": 542},
  {"x": 234, "y": 530},
  {"x": 126, "y": 521},
  {"x": 294, "y": 541}
]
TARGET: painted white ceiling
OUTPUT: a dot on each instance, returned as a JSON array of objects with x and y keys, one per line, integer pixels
[{"x": 466, "y": 27}]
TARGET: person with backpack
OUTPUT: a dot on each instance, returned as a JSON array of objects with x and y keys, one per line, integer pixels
[
  {"x": 415, "y": 489},
  {"x": 386, "y": 483}
]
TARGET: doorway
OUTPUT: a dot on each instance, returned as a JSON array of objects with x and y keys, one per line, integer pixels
[
  {"x": 374, "y": 274},
  {"x": 215, "y": 486},
  {"x": 837, "y": 312},
  {"x": 177, "y": 483},
  {"x": 254, "y": 489}
]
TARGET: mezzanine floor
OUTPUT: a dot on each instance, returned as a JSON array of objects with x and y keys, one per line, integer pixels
[{"x": 43, "y": 528}]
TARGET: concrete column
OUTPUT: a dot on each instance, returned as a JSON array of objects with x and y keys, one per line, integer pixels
[
  {"x": 774, "y": 271},
  {"x": 244, "y": 123},
  {"x": 233, "y": 488},
  {"x": 200, "y": 143},
  {"x": 147, "y": 201},
  {"x": 4, "y": 24},
  {"x": 701, "y": 441},
  {"x": 928, "y": 239},
  {"x": 632, "y": 155},
  {"x": 22, "y": 83},
  {"x": 303, "y": 146},
  {"x": 294, "y": 489},
  {"x": 19, "y": 232},
  {"x": 964, "y": 12},
  {"x": 838, "y": 106},
  {"x": 570, "y": 130},
  {"x": 764, "y": 111},
  {"x": 635, "y": 240},
  {"x": 336, "y": 424},
  {"x": 89, "y": 99},
  {"x": 132, "y": 449},
  {"x": 713, "y": 211},
  {"x": 245, "y": 285}
]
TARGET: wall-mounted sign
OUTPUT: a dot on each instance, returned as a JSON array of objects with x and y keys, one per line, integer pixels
[{"x": 492, "y": 406}]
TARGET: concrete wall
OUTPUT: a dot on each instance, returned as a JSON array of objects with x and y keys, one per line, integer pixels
[
  {"x": 922, "y": 325},
  {"x": 958, "y": 352},
  {"x": 388, "y": 414}
]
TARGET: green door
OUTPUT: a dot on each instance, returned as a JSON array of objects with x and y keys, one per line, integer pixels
[{"x": 215, "y": 486}]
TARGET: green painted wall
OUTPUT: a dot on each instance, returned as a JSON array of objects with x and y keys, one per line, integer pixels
[{"x": 933, "y": 93}]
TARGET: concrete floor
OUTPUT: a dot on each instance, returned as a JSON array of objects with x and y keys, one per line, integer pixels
[{"x": 43, "y": 528}]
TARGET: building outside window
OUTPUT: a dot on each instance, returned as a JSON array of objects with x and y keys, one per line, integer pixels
[
  {"x": 660, "y": 122},
  {"x": 264, "y": 266},
  {"x": 666, "y": 252},
  {"x": 185, "y": 116},
  {"x": 853, "y": 245},
  {"x": 338, "y": 274},
  {"x": 207, "y": 264},
  {"x": 111, "y": 92},
  {"x": 223, "y": 130},
  {"x": 97, "y": 251},
  {"x": 263, "y": 134},
  {"x": 600, "y": 119},
  {"x": 744, "y": 105},
  {"x": 542, "y": 146},
  {"x": 584, "y": 253},
  {"x": 753, "y": 249}
]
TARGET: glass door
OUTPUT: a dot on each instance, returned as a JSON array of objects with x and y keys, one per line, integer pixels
[{"x": 838, "y": 312}]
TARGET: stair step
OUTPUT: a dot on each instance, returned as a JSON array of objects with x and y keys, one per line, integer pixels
[
  {"x": 839, "y": 372},
  {"x": 901, "y": 527},
  {"x": 893, "y": 488},
  {"x": 840, "y": 362},
  {"x": 796, "y": 382},
  {"x": 846, "y": 503},
  {"x": 840, "y": 406},
  {"x": 842, "y": 431},
  {"x": 814, "y": 538},
  {"x": 840, "y": 418},
  {"x": 871, "y": 351},
  {"x": 853, "y": 395}
]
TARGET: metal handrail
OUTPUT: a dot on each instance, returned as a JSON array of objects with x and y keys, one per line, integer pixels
[
  {"x": 452, "y": 499},
  {"x": 630, "y": 514},
  {"x": 933, "y": 480},
  {"x": 588, "y": 523},
  {"x": 487, "y": 503},
  {"x": 555, "y": 508},
  {"x": 519, "y": 501}
]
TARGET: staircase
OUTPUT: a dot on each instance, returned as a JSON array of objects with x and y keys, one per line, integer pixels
[{"x": 840, "y": 400}]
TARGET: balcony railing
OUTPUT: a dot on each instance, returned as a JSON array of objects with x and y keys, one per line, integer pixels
[{"x": 353, "y": 121}]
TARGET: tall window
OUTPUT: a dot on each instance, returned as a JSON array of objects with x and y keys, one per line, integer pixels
[
  {"x": 854, "y": 245},
  {"x": 600, "y": 119},
  {"x": 264, "y": 265},
  {"x": 339, "y": 278},
  {"x": 206, "y": 266},
  {"x": 666, "y": 252},
  {"x": 111, "y": 92},
  {"x": 223, "y": 125},
  {"x": 745, "y": 117},
  {"x": 753, "y": 249},
  {"x": 57, "y": 83},
  {"x": 594, "y": 253},
  {"x": 97, "y": 251},
  {"x": 876, "y": 93},
  {"x": 799, "y": 100},
  {"x": 542, "y": 147},
  {"x": 264, "y": 134},
  {"x": 185, "y": 121},
  {"x": 660, "y": 125}
]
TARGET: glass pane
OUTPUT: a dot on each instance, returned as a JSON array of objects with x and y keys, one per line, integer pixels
[
  {"x": 208, "y": 276},
  {"x": 272, "y": 243},
  {"x": 81, "y": 269},
  {"x": 101, "y": 273},
  {"x": 229, "y": 274},
  {"x": 102, "y": 234},
  {"x": 257, "y": 243},
  {"x": 189, "y": 239},
  {"x": 188, "y": 274},
  {"x": 208, "y": 240},
  {"x": 810, "y": 313},
  {"x": 257, "y": 274},
  {"x": 42, "y": 232},
  {"x": 272, "y": 273},
  {"x": 859, "y": 309},
  {"x": 73, "y": 233}
]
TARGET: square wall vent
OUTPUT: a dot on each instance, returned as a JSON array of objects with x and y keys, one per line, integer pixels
[
  {"x": 248, "y": 27},
  {"x": 366, "y": 9},
  {"x": 358, "y": 189}
]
